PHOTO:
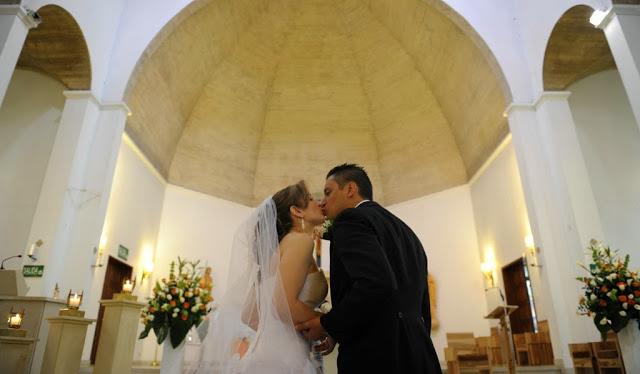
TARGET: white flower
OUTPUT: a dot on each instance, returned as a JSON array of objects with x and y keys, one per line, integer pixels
[
  {"x": 625, "y": 305},
  {"x": 593, "y": 283},
  {"x": 181, "y": 299},
  {"x": 630, "y": 296},
  {"x": 593, "y": 297},
  {"x": 622, "y": 286},
  {"x": 174, "y": 315},
  {"x": 176, "y": 310},
  {"x": 151, "y": 317},
  {"x": 637, "y": 306},
  {"x": 169, "y": 297},
  {"x": 612, "y": 276},
  {"x": 609, "y": 294},
  {"x": 195, "y": 308},
  {"x": 623, "y": 313},
  {"x": 629, "y": 281},
  {"x": 198, "y": 300},
  {"x": 603, "y": 321},
  {"x": 181, "y": 291}
]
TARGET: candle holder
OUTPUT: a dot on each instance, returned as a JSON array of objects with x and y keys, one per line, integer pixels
[
  {"x": 14, "y": 324},
  {"x": 128, "y": 285},
  {"x": 15, "y": 319},
  {"x": 74, "y": 300}
]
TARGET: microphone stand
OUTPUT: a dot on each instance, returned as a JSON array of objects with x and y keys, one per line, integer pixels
[{"x": 8, "y": 258}]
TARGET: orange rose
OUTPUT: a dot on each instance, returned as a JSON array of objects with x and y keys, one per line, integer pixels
[
  {"x": 202, "y": 307},
  {"x": 603, "y": 303},
  {"x": 174, "y": 291},
  {"x": 172, "y": 303},
  {"x": 631, "y": 302},
  {"x": 622, "y": 298},
  {"x": 185, "y": 305},
  {"x": 604, "y": 289},
  {"x": 184, "y": 317},
  {"x": 152, "y": 310},
  {"x": 636, "y": 293}
]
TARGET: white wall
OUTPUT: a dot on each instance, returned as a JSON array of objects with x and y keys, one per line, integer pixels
[
  {"x": 445, "y": 225},
  {"x": 502, "y": 223},
  {"x": 610, "y": 142},
  {"x": 29, "y": 120},
  {"x": 133, "y": 220},
  {"x": 195, "y": 226}
]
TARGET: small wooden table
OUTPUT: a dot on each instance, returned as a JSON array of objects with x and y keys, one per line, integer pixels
[{"x": 506, "y": 340}]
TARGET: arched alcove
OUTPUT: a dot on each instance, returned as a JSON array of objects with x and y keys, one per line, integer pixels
[
  {"x": 57, "y": 48},
  {"x": 576, "y": 49}
]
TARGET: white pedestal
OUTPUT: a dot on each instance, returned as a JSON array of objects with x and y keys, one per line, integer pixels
[
  {"x": 15, "y": 354},
  {"x": 629, "y": 339},
  {"x": 64, "y": 344},
  {"x": 172, "y": 359}
]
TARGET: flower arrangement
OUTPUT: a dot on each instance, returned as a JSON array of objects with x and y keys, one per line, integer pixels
[
  {"x": 177, "y": 304},
  {"x": 611, "y": 291}
]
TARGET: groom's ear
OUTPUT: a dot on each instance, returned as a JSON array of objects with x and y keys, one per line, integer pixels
[{"x": 352, "y": 189}]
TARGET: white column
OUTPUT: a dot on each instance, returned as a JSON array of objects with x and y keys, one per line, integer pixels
[
  {"x": 15, "y": 23},
  {"x": 561, "y": 206},
  {"x": 621, "y": 26},
  {"x": 72, "y": 203}
]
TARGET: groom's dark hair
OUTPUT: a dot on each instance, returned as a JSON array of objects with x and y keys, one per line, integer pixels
[{"x": 353, "y": 173}]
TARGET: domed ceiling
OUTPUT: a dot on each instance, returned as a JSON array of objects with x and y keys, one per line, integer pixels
[{"x": 236, "y": 99}]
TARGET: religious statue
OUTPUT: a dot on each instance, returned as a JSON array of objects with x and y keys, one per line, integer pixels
[
  {"x": 432, "y": 301},
  {"x": 206, "y": 281}
]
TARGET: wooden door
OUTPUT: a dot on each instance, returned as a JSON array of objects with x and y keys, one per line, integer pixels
[
  {"x": 515, "y": 280},
  {"x": 116, "y": 272}
]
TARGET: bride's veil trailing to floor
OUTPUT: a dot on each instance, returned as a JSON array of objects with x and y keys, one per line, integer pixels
[{"x": 251, "y": 330}]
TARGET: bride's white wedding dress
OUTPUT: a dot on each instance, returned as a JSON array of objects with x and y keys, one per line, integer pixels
[{"x": 252, "y": 330}]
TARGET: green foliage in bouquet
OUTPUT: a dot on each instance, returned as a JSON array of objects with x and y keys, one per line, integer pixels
[
  {"x": 611, "y": 291},
  {"x": 177, "y": 304}
]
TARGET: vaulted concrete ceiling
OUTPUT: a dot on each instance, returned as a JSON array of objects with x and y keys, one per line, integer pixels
[
  {"x": 57, "y": 48},
  {"x": 236, "y": 99}
]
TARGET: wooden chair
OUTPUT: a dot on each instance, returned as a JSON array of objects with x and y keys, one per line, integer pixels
[
  {"x": 539, "y": 348},
  {"x": 495, "y": 352},
  {"x": 582, "y": 357},
  {"x": 543, "y": 326},
  {"x": 608, "y": 356},
  {"x": 462, "y": 354},
  {"x": 522, "y": 352}
]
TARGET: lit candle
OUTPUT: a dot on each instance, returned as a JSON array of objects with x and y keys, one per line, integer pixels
[
  {"x": 15, "y": 321},
  {"x": 127, "y": 287},
  {"x": 74, "y": 301}
]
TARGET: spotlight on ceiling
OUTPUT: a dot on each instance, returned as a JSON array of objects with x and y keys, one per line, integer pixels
[{"x": 598, "y": 16}]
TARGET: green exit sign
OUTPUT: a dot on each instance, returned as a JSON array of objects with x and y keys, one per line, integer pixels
[
  {"x": 123, "y": 252},
  {"x": 32, "y": 271}
]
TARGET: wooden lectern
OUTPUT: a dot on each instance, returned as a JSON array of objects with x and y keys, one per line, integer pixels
[{"x": 506, "y": 342}]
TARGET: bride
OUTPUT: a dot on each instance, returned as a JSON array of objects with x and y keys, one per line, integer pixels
[{"x": 273, "y": 284}]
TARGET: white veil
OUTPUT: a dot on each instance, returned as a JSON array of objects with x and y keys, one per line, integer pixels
[{"x": 253, "y": 318}]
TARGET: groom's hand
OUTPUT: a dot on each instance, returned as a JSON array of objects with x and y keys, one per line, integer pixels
[
  {"x": 312, "y": 329},
  {"x": 326, "y": 346}
]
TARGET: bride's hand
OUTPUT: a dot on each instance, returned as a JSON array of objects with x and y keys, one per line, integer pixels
[{"x": 326, "y": 346}]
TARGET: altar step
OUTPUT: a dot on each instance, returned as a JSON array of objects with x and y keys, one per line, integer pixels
[{"x": 137, "y": 368}]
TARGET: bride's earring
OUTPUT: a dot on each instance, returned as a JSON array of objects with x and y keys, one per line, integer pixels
[{"x": 302, "y": 223}]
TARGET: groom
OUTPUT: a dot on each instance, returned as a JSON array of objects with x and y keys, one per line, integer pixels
[{"x": 380, "y": 316}]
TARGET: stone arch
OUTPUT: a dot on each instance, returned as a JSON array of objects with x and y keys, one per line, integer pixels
[
  {"x": 57, "y": 48},
  {"x": 575, "y": 50}
]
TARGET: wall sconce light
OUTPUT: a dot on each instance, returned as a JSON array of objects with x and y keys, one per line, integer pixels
[
  {"x": 74, "y": 300},
  {"x": 32, "y": 250},
  {"x": 147, "y": 263},
  {"x": 15, "y": 319},
  {"x": 100, "y": 250},
  {"x": 488, "y": 267},
  {"x": 532, "y": 250}
]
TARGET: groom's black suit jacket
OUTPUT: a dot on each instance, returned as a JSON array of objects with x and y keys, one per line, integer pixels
[{"x": 380, "y": 315}]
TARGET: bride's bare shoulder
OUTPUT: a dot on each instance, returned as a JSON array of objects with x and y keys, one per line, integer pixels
[{"x": 296, "y": 240}]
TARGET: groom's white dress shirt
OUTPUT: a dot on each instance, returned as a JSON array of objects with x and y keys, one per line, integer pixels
[{"x": 362, "y": 202}]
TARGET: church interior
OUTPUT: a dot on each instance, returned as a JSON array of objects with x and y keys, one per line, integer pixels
[{"x": 506, "y": 134}]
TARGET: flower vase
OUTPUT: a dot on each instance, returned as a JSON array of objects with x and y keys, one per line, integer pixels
[
  {"x": 629, "y": 339},
  {"x": 172, "y": 358}
]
